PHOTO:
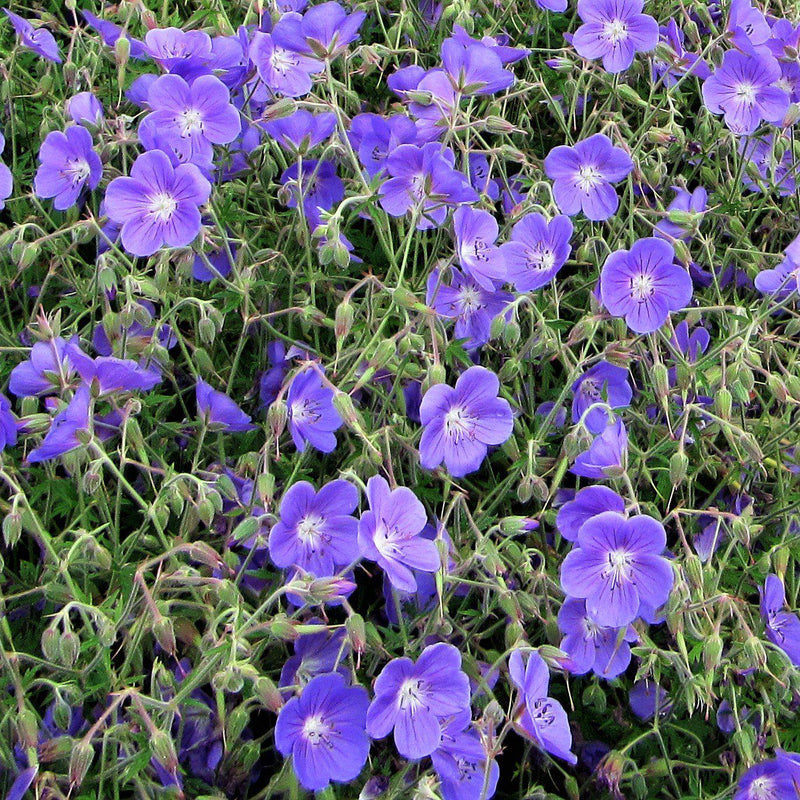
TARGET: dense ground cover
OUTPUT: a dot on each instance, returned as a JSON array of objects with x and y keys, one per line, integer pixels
[{"x": 400, "y": 399}]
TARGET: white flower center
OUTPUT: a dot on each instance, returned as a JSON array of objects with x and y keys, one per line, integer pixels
[
  {"x": 411, "y": 696},
  {"x": 587, "y": 178},
  {"x": 619, "y": 563},
  {"x": 746, "y": 92},
  {"x": 459, "y": 424},
  {"x": 162, "y": 206},
  {"x": 470, "y": 298},
  {"x": 641, "y": 287},
  {"x": 615, "y": 31},
  {"x": 308, "y": 530},
  {"x": 283, "y": 60},
  {"x": 191, "y": 121},
  {"x": 540, "y": 258},
  {"x": 763, "y": 789},
  {"x": 77, "y": 170},
  {"x": 315, "y": 730},
  {"x": 418, "y": 186}
]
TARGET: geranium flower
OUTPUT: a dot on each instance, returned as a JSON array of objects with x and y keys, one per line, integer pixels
[
  {"x": 69, "y": 165},
  {"x": 8, "y": 424},
  {"x": 64, "y": 429},
  {"x": 6, "y": 178},
  {"x": 473, "y": 307},
  {"x": 690, "y": 204},
  {"x": 603, "y": 383},
  {"x": 773, "y": 162},
  {"x": 315, "y": 654},
  {"x": 218, "y": 411},
  {"x": 743, "y": 89},
  {"x": 474, "y": 70},
  {"x": 412, "y": 698},
  {"x": 783, "y": 628},
  {"x": 302, "y": 131},
  {"x": 781, "y": 281},
  {"x": 375, "y": 137},
  {"x": 587, "y": 503},
  {"x": 176, "y": 51},
  {"x": 536, "y": 250},
  {"x": 765, "y": 781},
  {"x": 324, "y": 731},
  {"x": 157, "y": 205},
  {"x": 617, "y": 566},
  {"x": 192, "y": 119},
  {"x": 614, "y": 30},
  {"x": 475, "y": 234},
  {"x": 424, "y": 179},
  {"x": 541, "y": 718},
  {"x": 644, "y": 284},
  {"x": 324, "y": 30},
  {"x": 462, "y": 422},
  {"x": 583, "y": 176},
  {"x": 462, "y": 763},
  {"x": 85, "y": 109},
  {"x": 312, "y": 416},
  {"x": 606, "y": 455},
  {"x": 316, "y": 531},
  {"x": 284, "y": 70},
  {"x": 389, "y": 534},
  {"x": 110, "y": 33},
  {"x": 39, "y": 40},
  {"x": 591, "y": 646}
]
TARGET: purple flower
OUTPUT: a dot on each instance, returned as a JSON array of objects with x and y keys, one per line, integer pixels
[
  {"x": 461, "y": 423},
  {"x": 644, "y": 284},
  {"x": 52, "y": 366},
  {"x": 606, "y": 455},
  {"x": 781, "y": 281},
  {"x": 587, "y": 503},
  {"x": 769, "y": 780},
  {"x": 691, "y": 345},
  {"x": 301, "y": 131},
  {"x": 106, "y": 375},
  {"x": 747, "y": 25},
  {"x": 283, "y": 70},
  {"x": 559, "y": 6},
  {"x": 219, "y": 412},
  {"x": 192, "y": 119},
  {"x": 783, "y": 628},
  {"x": 498, "y": 45},
  {"x": 85, "y": 109},
  {"x": 375, "y": 137},
  {"x": 681, "y": 62},
  {"x": 157, "y": 205},
  {"x": 8, "y": 424},
  {"x": 647, "y": 699},
  {"x": 591, "y": 646},
  {"x": 40, "y": 40},
  {"x": 690, "y": 208},
  {"x": 68, "y": 165},
  {"x": 324, "y": 30},
  {"x": 617, "y": 566},
  {"x": 315, "y": 184},
  {"x": 604, "y": 384},
  {"x": 178, "y": 51},
  {"x": 743, "y": 90},
  {"x": 583, "y": 176},
  {"x": 614, "y": 30},
  {"x": 317, "y": 531},
  {"x": 110, "y": 33},
  {"x": 413, "y": 698},
  {"x": 480, "y": 176},
  {"x": 437, "y": 111},
  {"x": 472, "y": 306},
  {"x": 312, "y": 416},
  {"x": 6, "y": 178},
  {"x": 23, "y": 781},
  {"x": 324, "y": 731},
  {"x": 64, "y": 429},
  {"x": 424, "y": 180},
  {"x": 474, "y": 70},
  {"x": 536, "y": 250},
  {"x": 316, "y": 654},
  {"x": 389, "y": 534},
  {"x": 476, "y": 233},
  {"x": 770, "y": 157},
  {"x": 462, "y": 763},
  {"x": 542, "y": 718}
]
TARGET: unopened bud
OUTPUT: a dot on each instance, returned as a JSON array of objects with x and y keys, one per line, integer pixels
[
  {"x": 277, "y": 417},
  {"x": 238, "y": 719},
  {"x": 343, "y": 321},
  {"x": 678, "y": 466},
  {"x": 80, "y": 761},
  {"x": 268, "y": 694},
  {"x": 69, "y": 648},
  {"x": 163, "y": 750},
  {"x": 357, "y": 632},
  {"x": 164, "y": 634},
  {"x": 723, "y": 402}
]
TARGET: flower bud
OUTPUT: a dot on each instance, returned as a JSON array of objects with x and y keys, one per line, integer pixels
[
  {"x": 69, "y": 648},
  {"x": 712, "y": 652},
  {"x": 678, "y": 466},
  {"x": 238, "y": 719},
  {"x": 277, "y": 417},
  {"x": 27, "y": 728},
  {"x": 51, "y": 645},
  {"x": 164, "y": 634},
  {"x": 12, "y": 528},
  {"x": 163, "y": 750},
  {"x": 723, "y": 402},
  {"x": 357, "y": 632},
  {"x": 80, "y": 761},
  {"x": 268, "y": 694},
  {"x": 343, "y": 320}
]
